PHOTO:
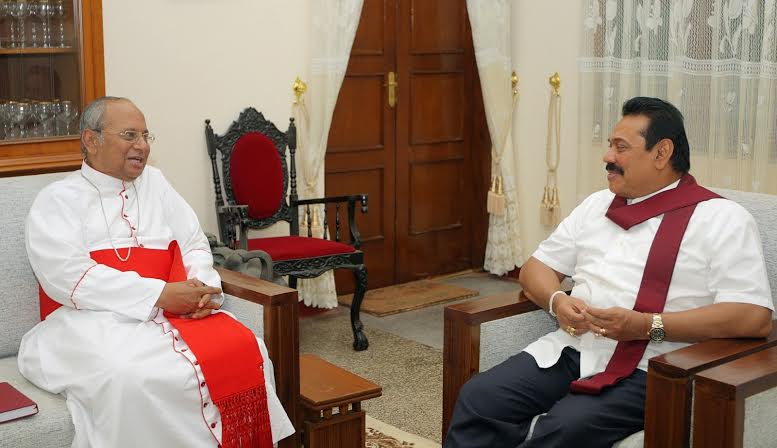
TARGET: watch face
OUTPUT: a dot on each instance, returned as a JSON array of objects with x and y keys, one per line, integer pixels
[{"x": 657, "y": 334}]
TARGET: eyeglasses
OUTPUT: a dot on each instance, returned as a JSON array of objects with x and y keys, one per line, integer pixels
[{"x": 132, "y": 136}]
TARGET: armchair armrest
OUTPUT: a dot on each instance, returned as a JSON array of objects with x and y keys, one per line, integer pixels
[
  {"x": 461, "y": 340},
  {"x": 229, "y": 217},
  {"x": 351, "y": 200},
  {"x": 281, "y": 333},
  {"x": 720, "y": 395},
  {"x": 670, "y": 384}
]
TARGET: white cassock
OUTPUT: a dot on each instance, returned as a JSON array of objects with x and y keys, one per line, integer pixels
[{"x": 109, "y": 350}]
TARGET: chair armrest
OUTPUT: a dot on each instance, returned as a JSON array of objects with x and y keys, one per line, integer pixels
[
  {"x": 461, "y": 340},
  {"x": 719, "y": 400},
  {"x": 670, "y": 384},
  {"x": 351, "y": 200},
  {"x": 281, "y": 332}
]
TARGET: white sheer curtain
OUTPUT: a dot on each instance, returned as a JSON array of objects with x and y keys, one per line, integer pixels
[
  {"x": 713, "y": 59},
  {"x": 334, "y": 24},
  {"x": 490, "y": 21}
]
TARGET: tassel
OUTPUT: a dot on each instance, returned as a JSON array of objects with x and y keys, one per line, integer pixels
[
  {"x": 550, "y": 208},
  {"x": 495, "y": 203},
  {"x": 315, "y": 224}
]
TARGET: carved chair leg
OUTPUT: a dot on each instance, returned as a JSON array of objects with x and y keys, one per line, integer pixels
[{"x": 360, "y": 287}]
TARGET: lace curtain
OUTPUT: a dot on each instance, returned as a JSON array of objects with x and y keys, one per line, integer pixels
[
  {"x": 713, "y": 59},
  {"x": 490, "y": 21},
  {"x": 334, "y": 24}
]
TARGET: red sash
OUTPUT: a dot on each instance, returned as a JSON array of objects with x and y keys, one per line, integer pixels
[
  {"x": 677, "y": 206},
  {"x": 225, "y": 349}
]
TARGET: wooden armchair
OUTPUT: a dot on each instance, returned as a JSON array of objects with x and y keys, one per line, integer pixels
[
  {"x": 256, "y": 179},
  {"x": 482, "y": 333}
]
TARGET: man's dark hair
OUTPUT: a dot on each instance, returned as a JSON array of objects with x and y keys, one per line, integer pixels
[{"x": 665, "y": 122}]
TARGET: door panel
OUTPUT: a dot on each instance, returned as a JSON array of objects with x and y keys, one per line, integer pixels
[
  {"x": 425, "y": 162},
  {"x": 434, "y": 149},
  {"x": 360, "y": 150}
]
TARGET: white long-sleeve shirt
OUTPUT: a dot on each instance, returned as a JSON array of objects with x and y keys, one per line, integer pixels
[{"x": 720, "y": 260}]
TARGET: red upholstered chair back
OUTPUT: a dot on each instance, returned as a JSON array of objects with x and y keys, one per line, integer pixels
[
  {"x": 257, "y": 175},
  {"x": 254, "y": 171}
]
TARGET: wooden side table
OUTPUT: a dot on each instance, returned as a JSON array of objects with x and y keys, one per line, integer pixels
[{"x": 331, "y": 404}]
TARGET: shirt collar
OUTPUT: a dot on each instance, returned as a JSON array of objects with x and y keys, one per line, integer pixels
[
  {"x": 642, "y": 198},
  {"x": 102, "y": 180}
]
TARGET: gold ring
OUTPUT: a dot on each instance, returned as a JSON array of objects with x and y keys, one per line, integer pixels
[{"x": 571, "y": 331}]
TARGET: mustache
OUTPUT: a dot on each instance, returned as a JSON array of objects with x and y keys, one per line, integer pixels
[{"x": 614, "y": 168}]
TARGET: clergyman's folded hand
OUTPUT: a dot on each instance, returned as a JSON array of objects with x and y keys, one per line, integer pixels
[{"x": 187, "y": 297}]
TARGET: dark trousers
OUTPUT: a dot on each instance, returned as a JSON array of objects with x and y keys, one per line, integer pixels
[{"x": 495, "y": 408}]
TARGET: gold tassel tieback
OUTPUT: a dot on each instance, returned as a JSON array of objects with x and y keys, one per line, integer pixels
[
  {"x": 495, "y": 204},
  {"x": 550, "y": 209},
  {"x": 315, "y": 225}
]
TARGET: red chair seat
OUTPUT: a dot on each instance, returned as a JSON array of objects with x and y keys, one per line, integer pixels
[{"x": 295, "y": 247}]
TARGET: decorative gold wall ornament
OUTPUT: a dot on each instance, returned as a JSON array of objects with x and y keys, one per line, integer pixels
[
  {"x": 299, "y": 88},
  {"x": 550, "y": 208},
  {"x": 495, "y": 202}
]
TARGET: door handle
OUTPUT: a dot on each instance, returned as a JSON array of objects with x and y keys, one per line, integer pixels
[{"x": 392, "y": 85}]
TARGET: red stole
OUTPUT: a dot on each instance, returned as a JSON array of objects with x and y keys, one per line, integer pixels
[
  {"x": 677, "y": 206},
  {"x": 225, "y": 349}
]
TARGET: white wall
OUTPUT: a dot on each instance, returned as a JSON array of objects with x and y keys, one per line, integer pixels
[
  {"x": 545, "y": 40},
  {"x": 184, "y": 61}
]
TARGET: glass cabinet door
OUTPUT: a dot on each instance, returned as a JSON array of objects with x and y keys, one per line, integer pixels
[{"x": 42, "y": 76}]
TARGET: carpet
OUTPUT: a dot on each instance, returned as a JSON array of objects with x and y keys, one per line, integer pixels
[
  {"x": 383, "y": 435},
  {"x": 408, "y": 296},
  {"x": 410, "y": 373}
]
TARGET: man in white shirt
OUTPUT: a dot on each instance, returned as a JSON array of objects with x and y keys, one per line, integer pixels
[
  {"x": 132, "y": 335},
  {"x": 657, "y": 262}
]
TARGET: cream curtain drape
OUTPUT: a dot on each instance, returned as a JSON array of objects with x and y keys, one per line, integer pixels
[
  {"x": 716, "y": 60},
  {"x": 334, "y": 24},
  {"x": 490, "y": 21}
]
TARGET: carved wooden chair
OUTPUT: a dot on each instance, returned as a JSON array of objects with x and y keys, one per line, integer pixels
[
  {"x": 256, "y": 179},
  {"x": 482, "y": 333}
]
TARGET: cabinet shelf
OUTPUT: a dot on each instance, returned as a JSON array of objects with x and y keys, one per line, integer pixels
[
  {"x": 37, "y": 50},
  {"x": 74, "y": 73}
]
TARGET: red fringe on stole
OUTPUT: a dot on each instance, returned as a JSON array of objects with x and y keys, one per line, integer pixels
[{"x": 243, "y": 422}]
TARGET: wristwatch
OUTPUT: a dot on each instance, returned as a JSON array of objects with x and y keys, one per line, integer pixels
[{"x": 657, "y": 333}]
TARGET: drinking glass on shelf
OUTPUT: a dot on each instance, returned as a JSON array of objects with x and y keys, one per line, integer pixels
[
  {"x": 7, "y": 27},
  {"x": 45, "y": 117},
  {"x": 66, "y": 115},
  {"x": 59, "y": 12},
  {"x": 4, "y": 121},
  {"x": 34, "y": 25},
  {"x": 20, "y": 113},
  {"x": 18, "y": 10},
  {"x": 45, "y": 11}
]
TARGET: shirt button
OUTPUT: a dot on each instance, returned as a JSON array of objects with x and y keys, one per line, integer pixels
[
  {"x": 202, "y": 384},
  {"x": 140, "y": 245},
  {"x": 205, "y": 405},
  {"x": 125, "y": 216},
  {"x": 212, "y": 425},
  {"x": 132, "y": 228},
  {"x": 184, "y": 349},
  {"x": 196, "y": 363},
  {"x": 126, "y": 196},
  {"x": 176, "y": 339}
]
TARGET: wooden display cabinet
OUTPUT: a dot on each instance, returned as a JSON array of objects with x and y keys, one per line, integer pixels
[{"x": 43, "y": 71}]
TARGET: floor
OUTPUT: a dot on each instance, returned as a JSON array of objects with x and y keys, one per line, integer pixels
[
  {"x": 405, "y": 355},
  {"x": 426, "y": 324}
]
